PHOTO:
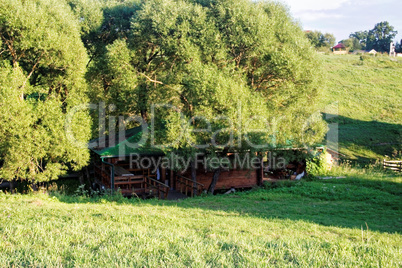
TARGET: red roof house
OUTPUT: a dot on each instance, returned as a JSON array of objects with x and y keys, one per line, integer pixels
[{"x": 339, "y": 49}]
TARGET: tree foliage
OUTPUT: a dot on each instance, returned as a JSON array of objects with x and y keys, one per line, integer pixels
[
  {"x": 398, "y": 47},
  {"x": 380, "y": 37},
  {"x": 321, "y": 41},
  {"x": 214, "y": 75},
  {"x": 361, "y": 37},
  {"x": 377, "y": 38},
  {"x": 225, "y": 61},
  {"x": 42, "y": 62},
  {"x": 352, "y": 44}
]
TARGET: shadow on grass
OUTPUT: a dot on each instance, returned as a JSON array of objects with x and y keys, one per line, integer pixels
[
  {"x": 367, "y": 137},
  {"x": 328, "y": 203},
  {"x": 96, "y": 198},
  {"x": 351, "y": 203}
]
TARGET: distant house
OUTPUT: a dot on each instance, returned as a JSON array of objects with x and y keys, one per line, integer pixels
[{"x": 340, "y": 49}]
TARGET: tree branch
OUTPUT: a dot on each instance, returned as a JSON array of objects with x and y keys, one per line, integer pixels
[
  {"x": 30, "y": 74},
  {"x": 152, "y": 80}
]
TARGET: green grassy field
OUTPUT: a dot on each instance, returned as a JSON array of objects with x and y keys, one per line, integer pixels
[
  {"x": 368, "y": 93},
  {"x": 354, "y": 222}
]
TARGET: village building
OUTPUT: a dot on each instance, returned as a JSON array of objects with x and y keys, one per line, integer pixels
[
  {"x": 340, "y": 49},
  {"x": 144, "y": 170},
  {"x": 120, "y": 163}
]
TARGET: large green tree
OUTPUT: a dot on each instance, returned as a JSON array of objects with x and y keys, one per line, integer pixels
[
  {"x": 361, "y": 37},
  {"x": 42, "y": 82},
  {"x": 377, "y": 38},
  {"x": 398, "y": 47},
  {"x": 352, "y": 44},
  {"x": 381, "y": 36},
  {"x": 221, "y": 69},
  {"x": 321, "y": 41}
]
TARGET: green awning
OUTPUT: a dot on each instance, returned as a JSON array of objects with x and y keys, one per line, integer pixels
[{"x": 130, "y": 144}]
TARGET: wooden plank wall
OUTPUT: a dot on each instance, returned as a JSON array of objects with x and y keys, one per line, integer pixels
[{"x": 227, "y": 179}]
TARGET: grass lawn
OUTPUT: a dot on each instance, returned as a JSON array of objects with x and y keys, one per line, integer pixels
[
  {"x": 368, "y": 94},
  {"x": 347, "y": 222}
]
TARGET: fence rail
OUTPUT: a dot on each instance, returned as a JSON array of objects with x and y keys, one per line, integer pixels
[
  {"x": 103, "y": 174},
  {"x": 392, "y": 165},
  {"x": 161, "y": 189},
  {"x": 130, "y": 184},
  {"x": 186, "y": 186}
]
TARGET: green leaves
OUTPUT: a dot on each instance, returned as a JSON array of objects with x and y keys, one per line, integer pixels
[
  {"x": 42, "y": 81},
  {"x": 377, "y": 38},
  {"x": 321, "y": 41},
  {"x": 235, "y": 60},
  {"x": 381, "y": 36}
]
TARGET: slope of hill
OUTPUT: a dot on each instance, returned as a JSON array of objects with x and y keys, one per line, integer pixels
[{"x": 366, "y": 92}]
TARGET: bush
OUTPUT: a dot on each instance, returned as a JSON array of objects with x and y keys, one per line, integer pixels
[
  {"x": 365, "y": 58},
  {"x": 318, "y": 164}
]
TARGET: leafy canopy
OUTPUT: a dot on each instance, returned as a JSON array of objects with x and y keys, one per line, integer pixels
[
  {"x": 377, "y": 38},
  {"x": 321, "y": 41},
  {"x": 381, "y": 36},
  {"x": 213, "y": 75},
  {"x": 42, "y": 68},
  {"x": 224, "y": 68}
]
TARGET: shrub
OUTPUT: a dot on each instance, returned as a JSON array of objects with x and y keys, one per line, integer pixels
[{"x": 318, "y": 164}]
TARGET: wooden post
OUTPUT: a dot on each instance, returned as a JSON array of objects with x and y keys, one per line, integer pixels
[
  {"x": 163, "y": 174},
  {"x": 260, "y": 171},
  {"x": 101, "y": 173},
  {"x": 194, "y": 178},
  {"x": 172, "y": 180}
]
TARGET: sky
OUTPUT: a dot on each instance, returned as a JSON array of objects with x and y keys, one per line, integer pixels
[{"x": 342, "y": 17}]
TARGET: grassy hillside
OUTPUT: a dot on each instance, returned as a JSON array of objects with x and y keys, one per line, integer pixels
[
  {"x": 368, "y": 91},
  {"x": 354, "y": 222}
]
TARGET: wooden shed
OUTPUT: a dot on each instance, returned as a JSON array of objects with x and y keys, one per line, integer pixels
[{"x": 146, "y": 176}]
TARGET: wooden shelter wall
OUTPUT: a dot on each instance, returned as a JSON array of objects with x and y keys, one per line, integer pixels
[{"x": 228, "y": 179}]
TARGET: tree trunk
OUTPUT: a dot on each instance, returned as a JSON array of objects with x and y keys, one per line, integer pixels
[
  {"x": 260, "y": 171},
  {"x": 215, "y": 178},
  {"x": 194, "y": 177},
  {"x": 12, "y": 185},
  {"x": 81, "y": 178},
  {"x": 87, "y": 174},
  {"x": 144, "y": 115}
]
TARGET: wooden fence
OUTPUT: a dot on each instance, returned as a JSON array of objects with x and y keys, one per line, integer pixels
[
  {"x": 142, "y": 185},
  {"x": 187, "y": 186},
  {"x": 392, "y": 165},
  {"x": 157, "y": 188}
]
